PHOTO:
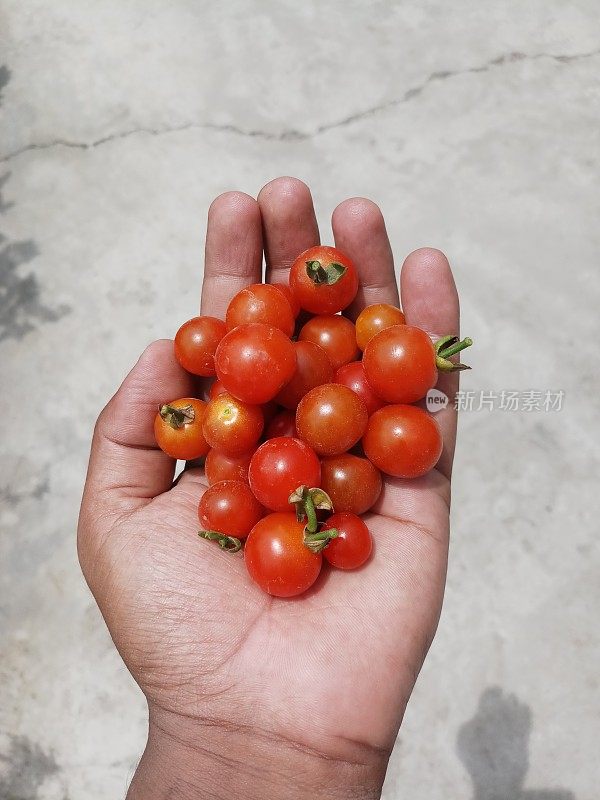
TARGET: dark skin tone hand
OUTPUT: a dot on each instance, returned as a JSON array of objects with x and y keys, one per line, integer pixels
[{"x": 292, "y": 698}]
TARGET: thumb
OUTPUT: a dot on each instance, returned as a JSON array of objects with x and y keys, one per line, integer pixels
[{"x": 127, "y": 468}]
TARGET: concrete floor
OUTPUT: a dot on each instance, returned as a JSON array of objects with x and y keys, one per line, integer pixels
[{"x": 476, "y": 129}]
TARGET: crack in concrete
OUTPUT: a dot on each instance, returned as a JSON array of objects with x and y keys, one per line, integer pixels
[{"x": 295, "y": 134}]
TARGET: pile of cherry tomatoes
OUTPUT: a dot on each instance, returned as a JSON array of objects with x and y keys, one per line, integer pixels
[{"x": 302, "y": 418}]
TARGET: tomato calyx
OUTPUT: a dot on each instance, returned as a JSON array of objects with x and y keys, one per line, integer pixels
[
  {"x": 449, "y": 346},
  {"x": 177, "y": 417},
  {"x": 308, "y": 502},
  {"x": 329, "y": 274},
  {"x": 228, "y": 543}
]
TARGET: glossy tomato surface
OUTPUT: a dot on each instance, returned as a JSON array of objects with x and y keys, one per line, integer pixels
[
  {"x": 352, "y": 482},
  {"x": 196, "y": 342},
  {"x": 263, "y": 303},
  {"x": 229, "y": 507},
  {"x": 313, "y": 368},
  {"x": 254, "y": 362},
  {"x": 403, "y": 441},
  {"x": 353, "y": 545},
  {"x": 331, "y": 419},
  {"x": 277, "y": 559},
  {"x": 221, "y": 467},
  {"x": 182, "y": 437},
  {"x": 374, "y": 319},
  {"x": 335, "y": 335},
  {"x": 353, "y": 376},
  {"x": 279, "y": 467},
  {"x": 324, "y": 280},
  {"x": 400, "y": 365},
  {"x": 232, "y": 426}
]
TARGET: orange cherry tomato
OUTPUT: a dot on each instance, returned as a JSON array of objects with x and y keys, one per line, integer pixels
[
  {"x": 221, "y": 467},
  {"x": 196, "y": 342},
  {"x": 313, "y": 368},
  {"x": 229, "y": 507},
  {"x": 277, "y": 558},
  {"x": 262, "y": 303},
  {"x": 375, "y": 318},
  {"x": 324, "y": 280},
  {"x": 331, "y": 419},
  {"x": 335, "y": 335},
  {"x": 178, "y": 429},
  {"x": 232, "y": 426},
  {"x": 352, "y": 482},
  {"x": 403, "y": 441}
]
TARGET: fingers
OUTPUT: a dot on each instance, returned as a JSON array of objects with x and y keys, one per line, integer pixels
[
  {"x": 359, "y": 231},
  {"x": 430, "y": 301},
  {"x": 289, "y": 225},
  {"x": 233, "y": 253},
  {"x": 126, "y": 467}
]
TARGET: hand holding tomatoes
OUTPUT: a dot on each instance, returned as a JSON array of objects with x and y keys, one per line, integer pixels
[{"x": 266, "y": 381}]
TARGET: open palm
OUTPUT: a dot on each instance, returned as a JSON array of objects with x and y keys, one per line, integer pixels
[{"x": 323, "y": 676}]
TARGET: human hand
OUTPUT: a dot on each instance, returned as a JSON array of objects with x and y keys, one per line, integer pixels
[{"x": 250, "y": 695}]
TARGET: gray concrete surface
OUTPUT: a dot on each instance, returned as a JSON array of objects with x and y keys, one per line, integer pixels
[{"x": 475, "y": 126}]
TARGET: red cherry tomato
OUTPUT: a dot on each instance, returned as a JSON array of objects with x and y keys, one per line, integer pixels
[
  {"x": 353, "y": 545},
  {"x": 196, "y": 342},
  {"x": 352, "y": 483},
  {"x": 400, "y": 364},
  {"x": 178, "y": 429},
  {"x": 277, "y": 559},
  {"x": 220, "y": 467},
  {"x": 282, "y": 424},
  {"x": 216, "y": 389},
  {"x": 375, "y": 318},
  {"x": 263, "y": 303},
  {"x": 323, "y": 280},
  {"x": 313, "y": 368},
  {"x": 280, "y": 466},
  {"x": 331, "y": 419},
  {"x": 290, "y": 297},
  {"x": 254, "y": 362},
  {"x": 403, "y": 441},
  {"x": 335, "y": 335},
  {"x": 229, "y": 507},
  {"x": 231, "y": 426},
  {"x": 353, "y": 376}
]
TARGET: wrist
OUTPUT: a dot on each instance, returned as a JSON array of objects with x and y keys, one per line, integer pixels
[{"x": 187, "y": 759}]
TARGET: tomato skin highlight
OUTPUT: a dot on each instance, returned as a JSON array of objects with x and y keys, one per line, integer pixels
[
  {"x": 277, "y": 559},
  {"x": 353, "y": 545},
  {"x": 353, "y": 376},
  {"x": 352, "y": 482},
  {"x": 331, "y": 419},
  {"x": 230, "y": 508},
  {"x": 313, "y": 368},
  {"x": 196, "y": 342},
  {"x": 282, "y": 424},
  {"x": 232, "y": 426},
  {"x": 400, "y": 364},
  {"x": 374, "y": 319},
  {"x": 188, "y": 441},
  {"x": 221, "y": 467},
  {"x": 262, "y": 303},
  {"x": 278, "y": 468},
  {"x": 323, "y": 298},
  {"x": 254, "y": 362},
  {"x": 289, "y": 296},
  {"x": 403, "y": 441},
  {"x": 335, "y": 335}
]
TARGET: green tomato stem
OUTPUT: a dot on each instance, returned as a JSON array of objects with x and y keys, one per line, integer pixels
[
  {"x": 228, "y": 543},
  {"x": 318, "y": 541},
  {"x": 177, "y": 417}
]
